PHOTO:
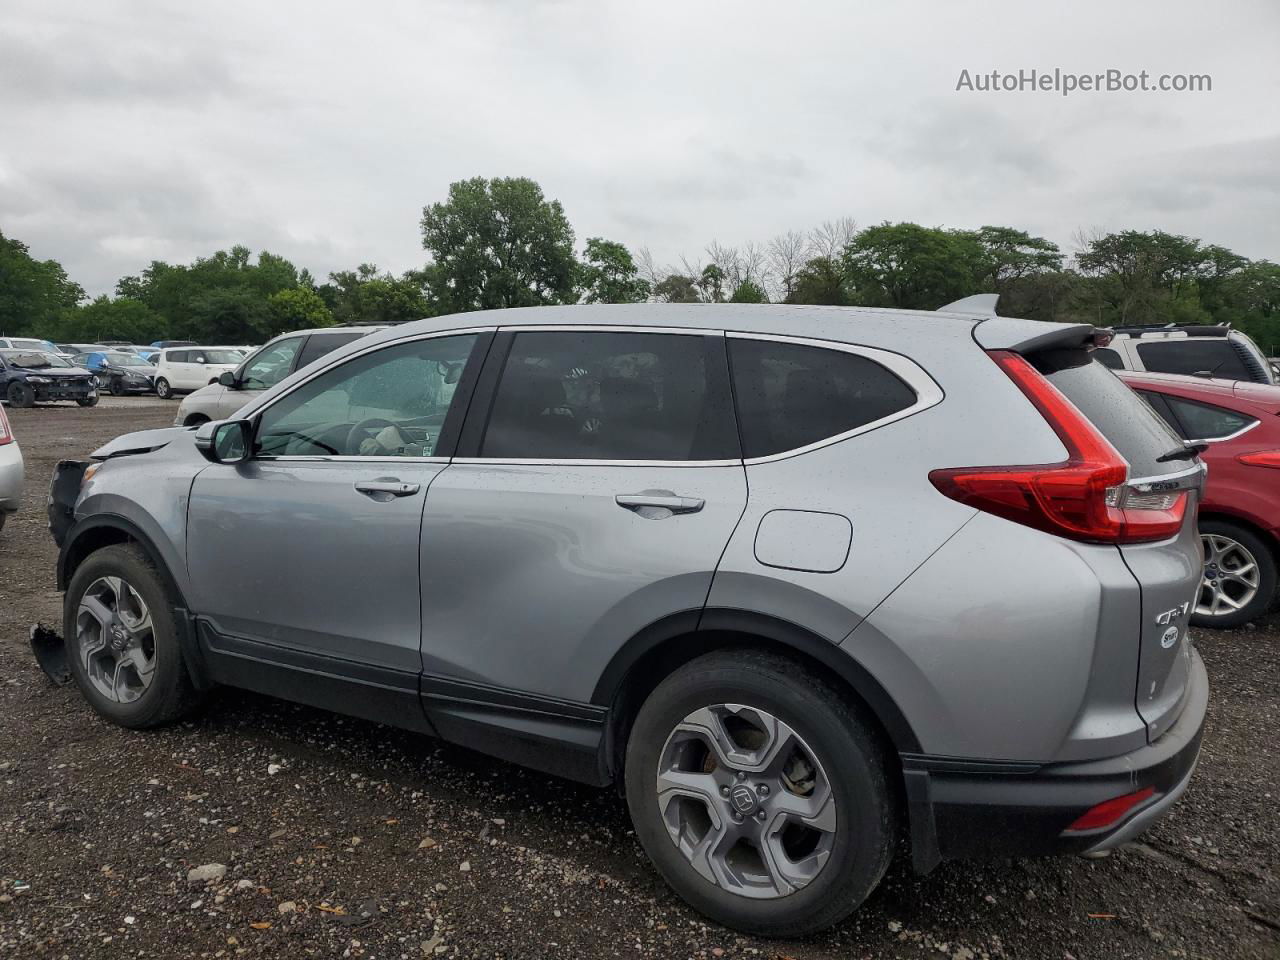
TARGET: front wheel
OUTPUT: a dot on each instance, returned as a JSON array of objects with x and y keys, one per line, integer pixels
[
  {"x": 760, "y": 794},
  {"x": 20, "y": 394},
  {"x": 88, "y": 401},
  {"x": 163, "y": 390},
  {"x": 122, "y": 641},
  {"x": 117, "y": 387},
  {"x": 1239, "y": 579}
]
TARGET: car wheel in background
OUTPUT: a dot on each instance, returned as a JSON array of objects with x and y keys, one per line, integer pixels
[
  {"x": 163, "y": 390},
  {"x": 20, "y": 395},
  {"x": 760, "y": 793},
  {"x": 88, "y": 401},
  {"x": 1239, "y": 581},
  {"x": 122, "y": 642},
  {"x": 117, "y": 387},
  {"x": 195, "y": 420}
]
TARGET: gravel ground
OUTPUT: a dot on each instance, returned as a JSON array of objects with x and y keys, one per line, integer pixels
[{"x": 340, "y": 838}]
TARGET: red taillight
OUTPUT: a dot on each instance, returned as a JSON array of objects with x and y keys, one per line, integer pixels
[
  {"x": 1082, "y": 498},
  {"x": 6, "y": 433},
  {"x": 1263, "y": 458},
  {"x": 1109, "y": 811}
]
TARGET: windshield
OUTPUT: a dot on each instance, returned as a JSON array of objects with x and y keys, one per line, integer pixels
[
  {"x": 30, "y": 360},
  {"x": 119, "y": 359},
  {"x": 41, "y": 346}
]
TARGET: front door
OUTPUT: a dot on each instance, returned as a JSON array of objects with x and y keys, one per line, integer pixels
[
  {"x": 313, "y": 544},
  {"x": 596, "y": 499}
]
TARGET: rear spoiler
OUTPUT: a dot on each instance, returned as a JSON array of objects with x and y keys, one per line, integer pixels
[
  {"x": 1029, "y": 336},
  {"x": 979, "y": 305}
]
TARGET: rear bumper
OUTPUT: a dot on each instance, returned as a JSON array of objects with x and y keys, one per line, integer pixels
[{"x": 978, "y": 809}]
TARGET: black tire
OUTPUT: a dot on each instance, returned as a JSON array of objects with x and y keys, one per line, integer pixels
[
  {"x": 163, "y": 390},
  {"x": 842, "y": 739},
  {"x": 117, "y": 387},
  {"x": 1263, "y": 555},
  {"x": 170, "y": 695},
  {"x": 20, "y": 394},
  {"x": 3, "y": 517},
  {"x": 88, "y": 401}
]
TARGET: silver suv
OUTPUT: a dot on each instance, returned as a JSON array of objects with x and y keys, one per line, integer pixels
[{"x": 797, "y": 579}]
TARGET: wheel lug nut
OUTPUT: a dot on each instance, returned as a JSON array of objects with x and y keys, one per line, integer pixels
[
  {"x": 760, "y": 816},
  {"x": 737, "y": 817},
  {"x": 763, "y": 790},
  {"x": 741, "y": 775},
  {"x": 724, "y": 791}
]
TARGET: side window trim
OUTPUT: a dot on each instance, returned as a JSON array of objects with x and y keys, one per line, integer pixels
[
  {"x": 928, "y": 392},
  {"x": 453, "y": 421},
  {"x": 1169, "y": 398},
  {"x": 482, "y": 403}
]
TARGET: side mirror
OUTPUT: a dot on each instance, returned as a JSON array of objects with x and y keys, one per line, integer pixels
[
  {"x": 225, "y": 441},
  {"x": 228, "y": 379}
]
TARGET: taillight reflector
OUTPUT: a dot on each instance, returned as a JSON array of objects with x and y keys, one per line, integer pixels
[
  {"x": 6, "y": 432},
  {"x": 1109, "y": 812},
  {"x": 1082, "y": 498},
  {"x": 1263, "y": 458}
]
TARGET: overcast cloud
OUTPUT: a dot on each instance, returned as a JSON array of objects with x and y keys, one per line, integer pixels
[{"x": 318, "y": 131}]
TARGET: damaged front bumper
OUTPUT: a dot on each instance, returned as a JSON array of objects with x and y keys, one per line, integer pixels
[{"x": 64, "y": 490}]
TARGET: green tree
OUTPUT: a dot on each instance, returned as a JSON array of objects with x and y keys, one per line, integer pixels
[
  {"x": 1012, "y": 255},
  {"x": 609, "y": 274},
  {"x": 34, "y": 294},
  {"x": 364, "y": 295},
  {"x": 676, "y": 288},
  {"x": 748, "y": 291},
  {"x": 498, "y": 243},
  {"x": 907, "y": 265},
  {"x": 297, "y": 308},
  {"x": 122, "y": 318},
  {"x": 819, "y": 281}
]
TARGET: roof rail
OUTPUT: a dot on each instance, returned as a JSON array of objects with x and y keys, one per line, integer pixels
[
  {"x": 983, "y": 304},
  {"x": 1203, "y": 330}
]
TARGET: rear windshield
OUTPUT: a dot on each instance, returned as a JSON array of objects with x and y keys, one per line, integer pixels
[
  {"x": 1134, "y": 429},
  {"x": 1216, "y": 358}
]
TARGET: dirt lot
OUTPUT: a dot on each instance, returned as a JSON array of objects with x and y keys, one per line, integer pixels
[{"x": 344, "y": 838}]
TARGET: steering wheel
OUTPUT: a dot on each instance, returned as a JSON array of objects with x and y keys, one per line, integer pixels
[{"x": 364, "y": 429}]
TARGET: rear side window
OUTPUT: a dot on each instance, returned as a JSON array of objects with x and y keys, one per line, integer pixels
[
  {"x": 1125, "y": 419},
  {"x": 791, "y": 395},
  {"x": 594, "y": 395},
  {"x": 1203, "y": 421},
  {"x": 1108, "y": 358},
  {"x": 1216, "y": 357},
  {"x": 318, "y": 344},
  {"x": 178, "y": 356}
]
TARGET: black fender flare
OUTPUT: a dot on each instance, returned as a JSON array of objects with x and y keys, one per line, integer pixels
[{"x": 773, "y": 630}]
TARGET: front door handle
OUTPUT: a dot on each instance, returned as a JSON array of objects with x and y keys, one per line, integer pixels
[
  {"x": 386, "y": 488},
  {"x": 659, "y": 501}
]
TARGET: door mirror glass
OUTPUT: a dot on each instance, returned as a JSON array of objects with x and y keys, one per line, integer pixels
[
  {"x": 225, "y": 441},
  {"x": 227, "y": 379}
]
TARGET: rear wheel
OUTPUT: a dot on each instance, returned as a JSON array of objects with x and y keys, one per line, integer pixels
[
  {"x": 163, "y": 390},
  {"x": 1239, "y": 581},
  {"x": 117, "y": 387},
  {"x": 760, "y": 794},
  {"x": 121, "y": 640},
  {"x": 20, "y": 395}
]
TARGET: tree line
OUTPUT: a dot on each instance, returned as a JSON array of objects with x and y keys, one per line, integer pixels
[{"x": 503, "y": 243}]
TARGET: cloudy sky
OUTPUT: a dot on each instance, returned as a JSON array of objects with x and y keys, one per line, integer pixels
[{"x": 319, "y": 130}]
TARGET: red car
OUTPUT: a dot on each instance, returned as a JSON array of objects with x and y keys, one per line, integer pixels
[{"x": 1239, "y": 422}]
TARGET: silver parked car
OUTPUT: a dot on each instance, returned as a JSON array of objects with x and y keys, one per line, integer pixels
[
  {"x": 797, "y": 578},
  {"x": 11, "y": 471},
  {"x": 260, "y": 371}
]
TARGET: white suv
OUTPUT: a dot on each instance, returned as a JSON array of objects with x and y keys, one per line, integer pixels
[
  {"x": 241, "y": 382},
  {"x": 1201, "y": 351},
  {"x": 183, "y": 369}
]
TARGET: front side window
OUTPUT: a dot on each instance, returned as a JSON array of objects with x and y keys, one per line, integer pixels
[
  {"x": 270, "y": 365},
  {"x": 598, "y": 395},
  {"x": 318, "y": 344},
  {"x": 1203, "y": 421},
  {"x": 791, "y": 395},
  {"x": 389, "y": 403}
]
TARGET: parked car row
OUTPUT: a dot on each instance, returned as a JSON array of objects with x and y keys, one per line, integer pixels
[{"x": 737, "y": 561}]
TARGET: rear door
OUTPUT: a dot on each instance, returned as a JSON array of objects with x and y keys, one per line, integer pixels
[
  {"x": 593, "y": 494},
  {"x": 1168, "y": 572}
]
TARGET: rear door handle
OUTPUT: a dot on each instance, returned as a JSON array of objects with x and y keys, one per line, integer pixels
[
  {"x": 636, "y": 501},
  {"x": 387, "y": 488}
]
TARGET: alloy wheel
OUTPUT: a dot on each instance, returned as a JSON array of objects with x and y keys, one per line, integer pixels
[
  {"x": 1230, "y": 579},
  {"x": 746, "y": 801},
  {"x": 115, "y": 639}
]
